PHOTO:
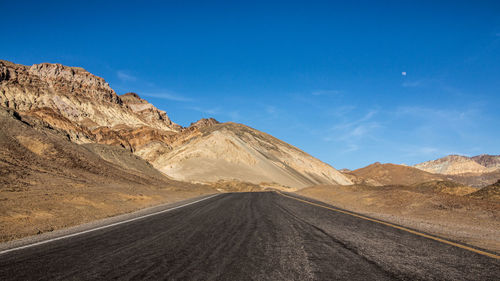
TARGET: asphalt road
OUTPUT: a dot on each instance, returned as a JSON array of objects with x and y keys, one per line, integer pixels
[{"x": 248, "y": 236}]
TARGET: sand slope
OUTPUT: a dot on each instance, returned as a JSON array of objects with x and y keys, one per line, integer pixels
[{"x": 234, "y": 151}]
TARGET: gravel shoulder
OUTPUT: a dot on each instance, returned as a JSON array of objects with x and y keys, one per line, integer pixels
[{"x": 97, "y": 223}]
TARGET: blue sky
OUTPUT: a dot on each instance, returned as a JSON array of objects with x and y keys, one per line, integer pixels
[{"x": 326, "y": 77}]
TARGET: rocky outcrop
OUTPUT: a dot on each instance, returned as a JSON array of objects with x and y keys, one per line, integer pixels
[
  {"x": 488, "y": 161},
  {"x": 75, "y": 94},
  {"x": 477, "y": 171},
  {"x": 132, "y": 138},
  {"x": 147, "y": 111},
  {"x": 204, "y": 122}
]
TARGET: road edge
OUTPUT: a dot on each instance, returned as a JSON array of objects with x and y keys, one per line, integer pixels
[
  {"x": 318, "y": 203},
  {"x": 47, "y": 237}
]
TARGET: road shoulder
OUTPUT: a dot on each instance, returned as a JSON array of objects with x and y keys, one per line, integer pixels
[{"x": 99, "y": 224}]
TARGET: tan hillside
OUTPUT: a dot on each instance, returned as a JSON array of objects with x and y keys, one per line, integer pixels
[
  {"x": 392, "y": 174},
  {"x": 233, "y": 151},
  {"x": 453, "y": 165}
]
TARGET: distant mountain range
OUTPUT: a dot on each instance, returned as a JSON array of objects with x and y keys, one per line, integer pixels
[
  {"x": 456, "y": 164},
  {"x": 477, "y": 171}
]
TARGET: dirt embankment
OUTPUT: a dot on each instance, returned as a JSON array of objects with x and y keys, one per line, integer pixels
[
  {"x": 461, "y": 218},
  {"x": 48, "y": 182}
]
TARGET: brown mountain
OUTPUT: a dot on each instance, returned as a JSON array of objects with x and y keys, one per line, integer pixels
[
  {"x": 392, "y": 174},
  {"x": 83, "y": 106},
  {"x": 488, "y": 161}
]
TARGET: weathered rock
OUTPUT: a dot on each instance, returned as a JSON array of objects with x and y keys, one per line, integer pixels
[{"x": 75, "y": 94}]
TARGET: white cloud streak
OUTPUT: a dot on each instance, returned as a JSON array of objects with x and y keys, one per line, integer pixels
[
  {"x": 168, "y": 96},
  {"x": 205, "y": 110},
  {"x": 325, "y": 93},
  {"x": 352, "y": 133},
  {"x": 125, "y": 77},
  {"x": 411, "y": 84}
]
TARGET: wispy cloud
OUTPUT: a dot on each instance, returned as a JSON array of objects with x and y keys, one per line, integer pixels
[
  {"x": 168, "y": 96},
  {"x": 125, "y": 76},
  {"x": 234, "y": 115},
  {"x": 212, "y": 111},
  {"x": 428, "y": 153},
  {"x": 352, "y": 124},
  {"x": 350, "y": 148},
  {"x": 325, "y": 93},
  {"x": 270, "y": 109},
  {"x": 351, "y": 134},
  {"x": 362, "y": 130},
  {"x": 427, "y": 150},
  {"x": 412, "y": 84},
  {"x": 435, "y": 126},
  {"x": 450, "y": 117},
  {"x": 231, "y": 115}
]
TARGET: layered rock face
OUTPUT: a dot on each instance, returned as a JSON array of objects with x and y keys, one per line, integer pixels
[
  {"x": 75, "y": 95},
  {"x": 477, "y": 171},
  {"x": 84, "y": 106},
  {"x": 488, "y": 161}
]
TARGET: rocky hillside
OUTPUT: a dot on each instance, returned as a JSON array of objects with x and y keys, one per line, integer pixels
[
  {"x": 75, "y": 95},
  {"x": 33, "y": 154},
  {"x": 488, "y": 161},
  {"x": 87, "y": 110},
  {"x": 477, "y": 171}
]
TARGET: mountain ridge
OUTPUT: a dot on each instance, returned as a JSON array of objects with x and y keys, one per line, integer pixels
[
  {"x": 89, "y": 111},
  {"x": 458, "y": 164}
]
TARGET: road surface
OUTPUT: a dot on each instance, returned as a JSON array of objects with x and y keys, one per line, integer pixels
[{"x": 248, "y": 236}]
